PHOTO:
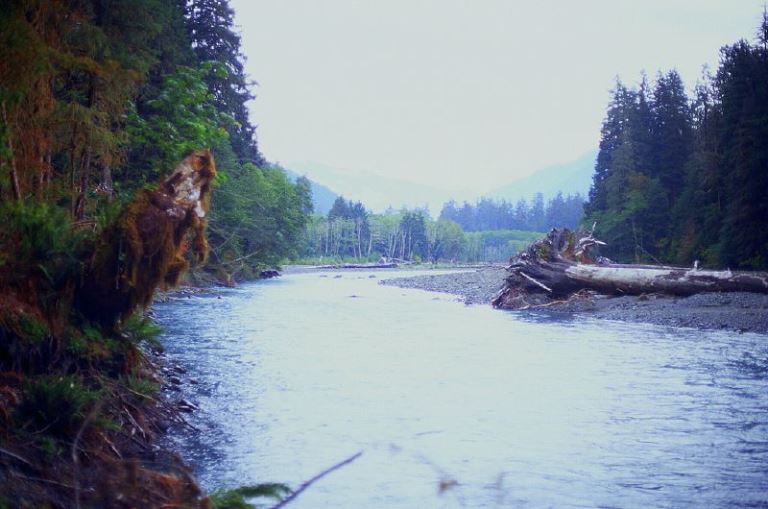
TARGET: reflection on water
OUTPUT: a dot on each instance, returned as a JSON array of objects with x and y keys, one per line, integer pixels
[{"x": 504, "y": 410}]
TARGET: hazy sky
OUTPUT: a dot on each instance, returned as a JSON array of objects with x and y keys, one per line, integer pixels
[{"x": 470, "y": 94}]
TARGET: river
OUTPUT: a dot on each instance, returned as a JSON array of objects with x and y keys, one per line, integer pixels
[{"x": 463, "y": 406}]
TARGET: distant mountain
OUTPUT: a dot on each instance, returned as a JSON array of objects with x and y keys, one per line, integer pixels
[
  {"x": 322, "y": 197},
  {"x": 569, "y": 178},
  {"x": 377, "y": 192}
]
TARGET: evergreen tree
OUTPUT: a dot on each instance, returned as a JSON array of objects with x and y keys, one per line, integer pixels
[
  {"x": 698, "y": 214},
  {"x": 211, "y": 30},
  {"x": 742, "y": 84},
  {"x": 612, "y": 135},
  {"x": 537, "y": 215},
  {"x": 672, "y": 135},
  {"x": 627, "y": 200},
  {"x": 339, "y": 209}
]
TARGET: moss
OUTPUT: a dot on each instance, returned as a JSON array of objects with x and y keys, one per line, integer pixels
[
  {"x": 32, "y": 328},
  {"x": 543, "y": 250},
  {"x": 74, "y": 386},
  {"x": 146, "y": 247}
]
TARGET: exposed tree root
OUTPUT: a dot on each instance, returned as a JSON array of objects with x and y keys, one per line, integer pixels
[{"x": 557, "y": 267}]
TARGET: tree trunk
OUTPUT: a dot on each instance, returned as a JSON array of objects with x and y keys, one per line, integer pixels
[
  {"x": 15, "y": 187},
  {"x": 106, "y": 186},
  {"x": 561, "y": 264},
  {"x": 85, "y": 176}
]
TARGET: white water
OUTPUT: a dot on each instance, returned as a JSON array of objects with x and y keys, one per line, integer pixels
[{"x": 298, "y": 373}]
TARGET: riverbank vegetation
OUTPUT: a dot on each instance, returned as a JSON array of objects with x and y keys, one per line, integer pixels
[
  {"x": 682, "y": 178},
  {"x": 78, "y": 392},
  {"x": 98, "y": 104}
]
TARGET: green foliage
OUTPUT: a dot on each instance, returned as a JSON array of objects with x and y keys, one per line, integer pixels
[
  {"x": 38, "y": 245},
  {"x": 257, "y": 218},
  {"x": 139, "y": 328},
  {"x": 33, "y": 329},
  {"x": 239, "y": 498},
  {"x": 180, "y": 119},
  {"x": 497, "y": 245},
  {"x": 214, "y": 38},
  {"x": 56, "y": 404},
  {"x": 141, "y": 385},
  {"x": 446, "y": 240},
  {"x": 486, "y": 214},
  {"x": 38, "y": 240},
  {"x": 679, "y": 180},
  {"x": 407, "y": 235}
]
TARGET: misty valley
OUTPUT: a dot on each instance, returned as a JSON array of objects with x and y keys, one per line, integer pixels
[{"x": 383, "y": 255}]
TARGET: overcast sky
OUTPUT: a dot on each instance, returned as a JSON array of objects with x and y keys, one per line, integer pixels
[{"x": 470, "y": 94}]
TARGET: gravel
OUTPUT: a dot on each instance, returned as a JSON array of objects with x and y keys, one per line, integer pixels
[
  {"x": 475, "y": 287},
  {"x": 738, "y": 311}
]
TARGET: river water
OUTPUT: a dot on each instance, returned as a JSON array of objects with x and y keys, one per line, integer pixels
[{"x": 463, "y": 406}]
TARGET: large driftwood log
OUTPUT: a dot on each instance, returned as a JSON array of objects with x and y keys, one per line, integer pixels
[{"x": 562, "y": 263}]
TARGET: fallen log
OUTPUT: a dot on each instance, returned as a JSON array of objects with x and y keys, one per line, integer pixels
[
  {"x": 563, "y": 263},
  {"x": 358, "y": 266}
]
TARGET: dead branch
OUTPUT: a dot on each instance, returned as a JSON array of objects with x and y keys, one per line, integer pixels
[{"x": 316, "y": 478}]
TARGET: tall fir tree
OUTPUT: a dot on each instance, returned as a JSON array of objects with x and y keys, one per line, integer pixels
[
  {"x": 671, "y": 135},
  {"x": 742, "y": 84},
  {"x": 212, "y": 32}
]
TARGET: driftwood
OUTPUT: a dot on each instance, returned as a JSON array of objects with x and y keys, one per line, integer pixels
[
  {"x": 358, "y": 266},
  {"x": 563, "y": 263}
]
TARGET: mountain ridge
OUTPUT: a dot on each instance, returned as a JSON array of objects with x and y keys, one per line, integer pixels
[
  {"x": 378, "y": 192},
  {"x": 568, "y": 178}
]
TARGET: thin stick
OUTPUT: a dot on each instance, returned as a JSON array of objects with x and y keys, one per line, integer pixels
[
  {"x": 15, "y": 456},
  {"x": 47, "y": 481},
  {"x": 529, "y": 278},
  {"x": 75, "y": 459},
  {"x": 316, "y": 478}
]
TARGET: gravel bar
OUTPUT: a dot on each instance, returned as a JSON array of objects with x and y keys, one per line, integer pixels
[{"x": 738, "y": 311}]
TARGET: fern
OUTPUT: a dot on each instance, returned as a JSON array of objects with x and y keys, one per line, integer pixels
[{"x": 238, "y": 498}]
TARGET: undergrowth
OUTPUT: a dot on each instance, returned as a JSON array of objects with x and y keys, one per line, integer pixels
[
  {"x": 243, "y": 497},
  {"x": 78, "y": 406}
]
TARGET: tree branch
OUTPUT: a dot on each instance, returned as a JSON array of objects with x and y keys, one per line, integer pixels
[{"x": 316, "y": 478}]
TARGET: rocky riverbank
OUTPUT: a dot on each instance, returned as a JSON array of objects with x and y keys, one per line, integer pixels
[
  {"x": 477, "y": 286},
  {"x": 740, "y": 311}
]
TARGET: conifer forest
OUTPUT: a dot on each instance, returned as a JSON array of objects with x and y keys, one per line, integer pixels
[{"x": 130, "y": 164}]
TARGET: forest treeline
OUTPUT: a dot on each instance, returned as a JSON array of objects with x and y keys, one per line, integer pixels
[
  {"x": 350, "y": 231},
  {"x": 99, "y": 99},
  {"x": 682, "y": 178},
  {"x": 487, "y": 214}
]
